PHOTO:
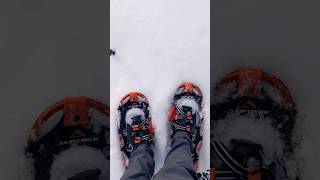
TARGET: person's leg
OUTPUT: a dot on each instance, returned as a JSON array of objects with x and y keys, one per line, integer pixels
[
  {"x": 185, "y": 131},
  {"x": 141, "y": 164},
  {"x": 179, "y": 162}
]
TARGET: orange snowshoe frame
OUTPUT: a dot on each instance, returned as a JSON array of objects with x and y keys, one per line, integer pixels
[
  {"x": 256, "y": 76},
  {"x": 71, "y": 126},
  {"x": 75, "y": 112}
]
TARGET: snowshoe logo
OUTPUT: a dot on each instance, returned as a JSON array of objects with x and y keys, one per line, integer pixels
[
  {"x": 79, "y": 140},
  {"x": 250, "y": 113}
]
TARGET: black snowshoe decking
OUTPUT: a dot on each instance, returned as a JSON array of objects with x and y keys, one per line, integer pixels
[
  {"x": 74, "y": 128},
  {"x": 245, "y": 91}
]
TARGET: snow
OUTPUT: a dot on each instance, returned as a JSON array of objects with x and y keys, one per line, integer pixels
[
  {"x": 26, "y": 168},
  {"x": 258, "y": 131},
  {"x": 49, "y": 50},
  {"x": 78, "y": 159},
  {"x": 132, "y": 113},
  {"x": 273, "y": 93},
  {"x": 221, "y": 96},
  {"x": 280, "y": 37},
  {"x": 159, "y": 45},
  {"x": 188, "y": 103},
  {"x": 42, "y": 42}
]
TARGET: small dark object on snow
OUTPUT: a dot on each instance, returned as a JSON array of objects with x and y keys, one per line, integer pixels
[{"x": 112, "y": 52}]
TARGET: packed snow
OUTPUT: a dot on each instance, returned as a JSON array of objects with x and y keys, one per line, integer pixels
[
  {"x": 188, "y": 103},
  {"x": 280, "y": 37},
  {"x": 78, "y": 159},
  {"x": 159, "y": 45},
  {"x": 49, "y": 50},
  {"x": 259, "y": 131},
  {"x": 132, "y": 113}
]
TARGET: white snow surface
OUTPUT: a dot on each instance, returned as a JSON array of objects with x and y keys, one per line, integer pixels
[
  {"x": 189, "y": 103},
  {"x": 259, "y": 131},
  {"x": 271, "y": 35},
  {"x": 78, "y": 159},
  {"x": 159, "y": 45},
  {"x": 62, "y": 46},
  {"x": 132, "y": 113}
]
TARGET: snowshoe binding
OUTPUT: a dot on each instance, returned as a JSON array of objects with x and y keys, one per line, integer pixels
[
  {"x": 135, "y": 124},
  {"x": 71, "y": 130},
  {"x": 252, "y": 120},
  {"x": 186, "y": 115}
]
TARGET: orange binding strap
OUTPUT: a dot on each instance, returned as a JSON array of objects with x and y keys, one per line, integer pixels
[
  {"x": 64, "y": 105},
  {"x": 172, "y": 115},
  {"x": 75, "y": 111},
  {"x": 133, "y": 97},
  {"x": 251, "y": 77},
  {"x": 188, "y": 87}
]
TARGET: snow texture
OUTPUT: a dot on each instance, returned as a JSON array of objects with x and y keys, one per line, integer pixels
[
  {"x": 159, "y": 45},
  {"x": 188, "y": 103},
  {"x": 259, "y": 131},
  {"x": 132, "y": 113},
  {"x": 280, "y": 37},
  {"x": 48, "y": 50},
  {"x": 78, "y": 159},
  {"x": 26, "y": 168}
]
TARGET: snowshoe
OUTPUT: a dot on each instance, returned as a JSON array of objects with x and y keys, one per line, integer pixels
[
  {"x": 70, "y": 131},
  {"x": 252, "y": 120},
  {"x": 135, "y": 124},
  {"x": 186, "y": 115},
  {"x": 203, "y": 175}
]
